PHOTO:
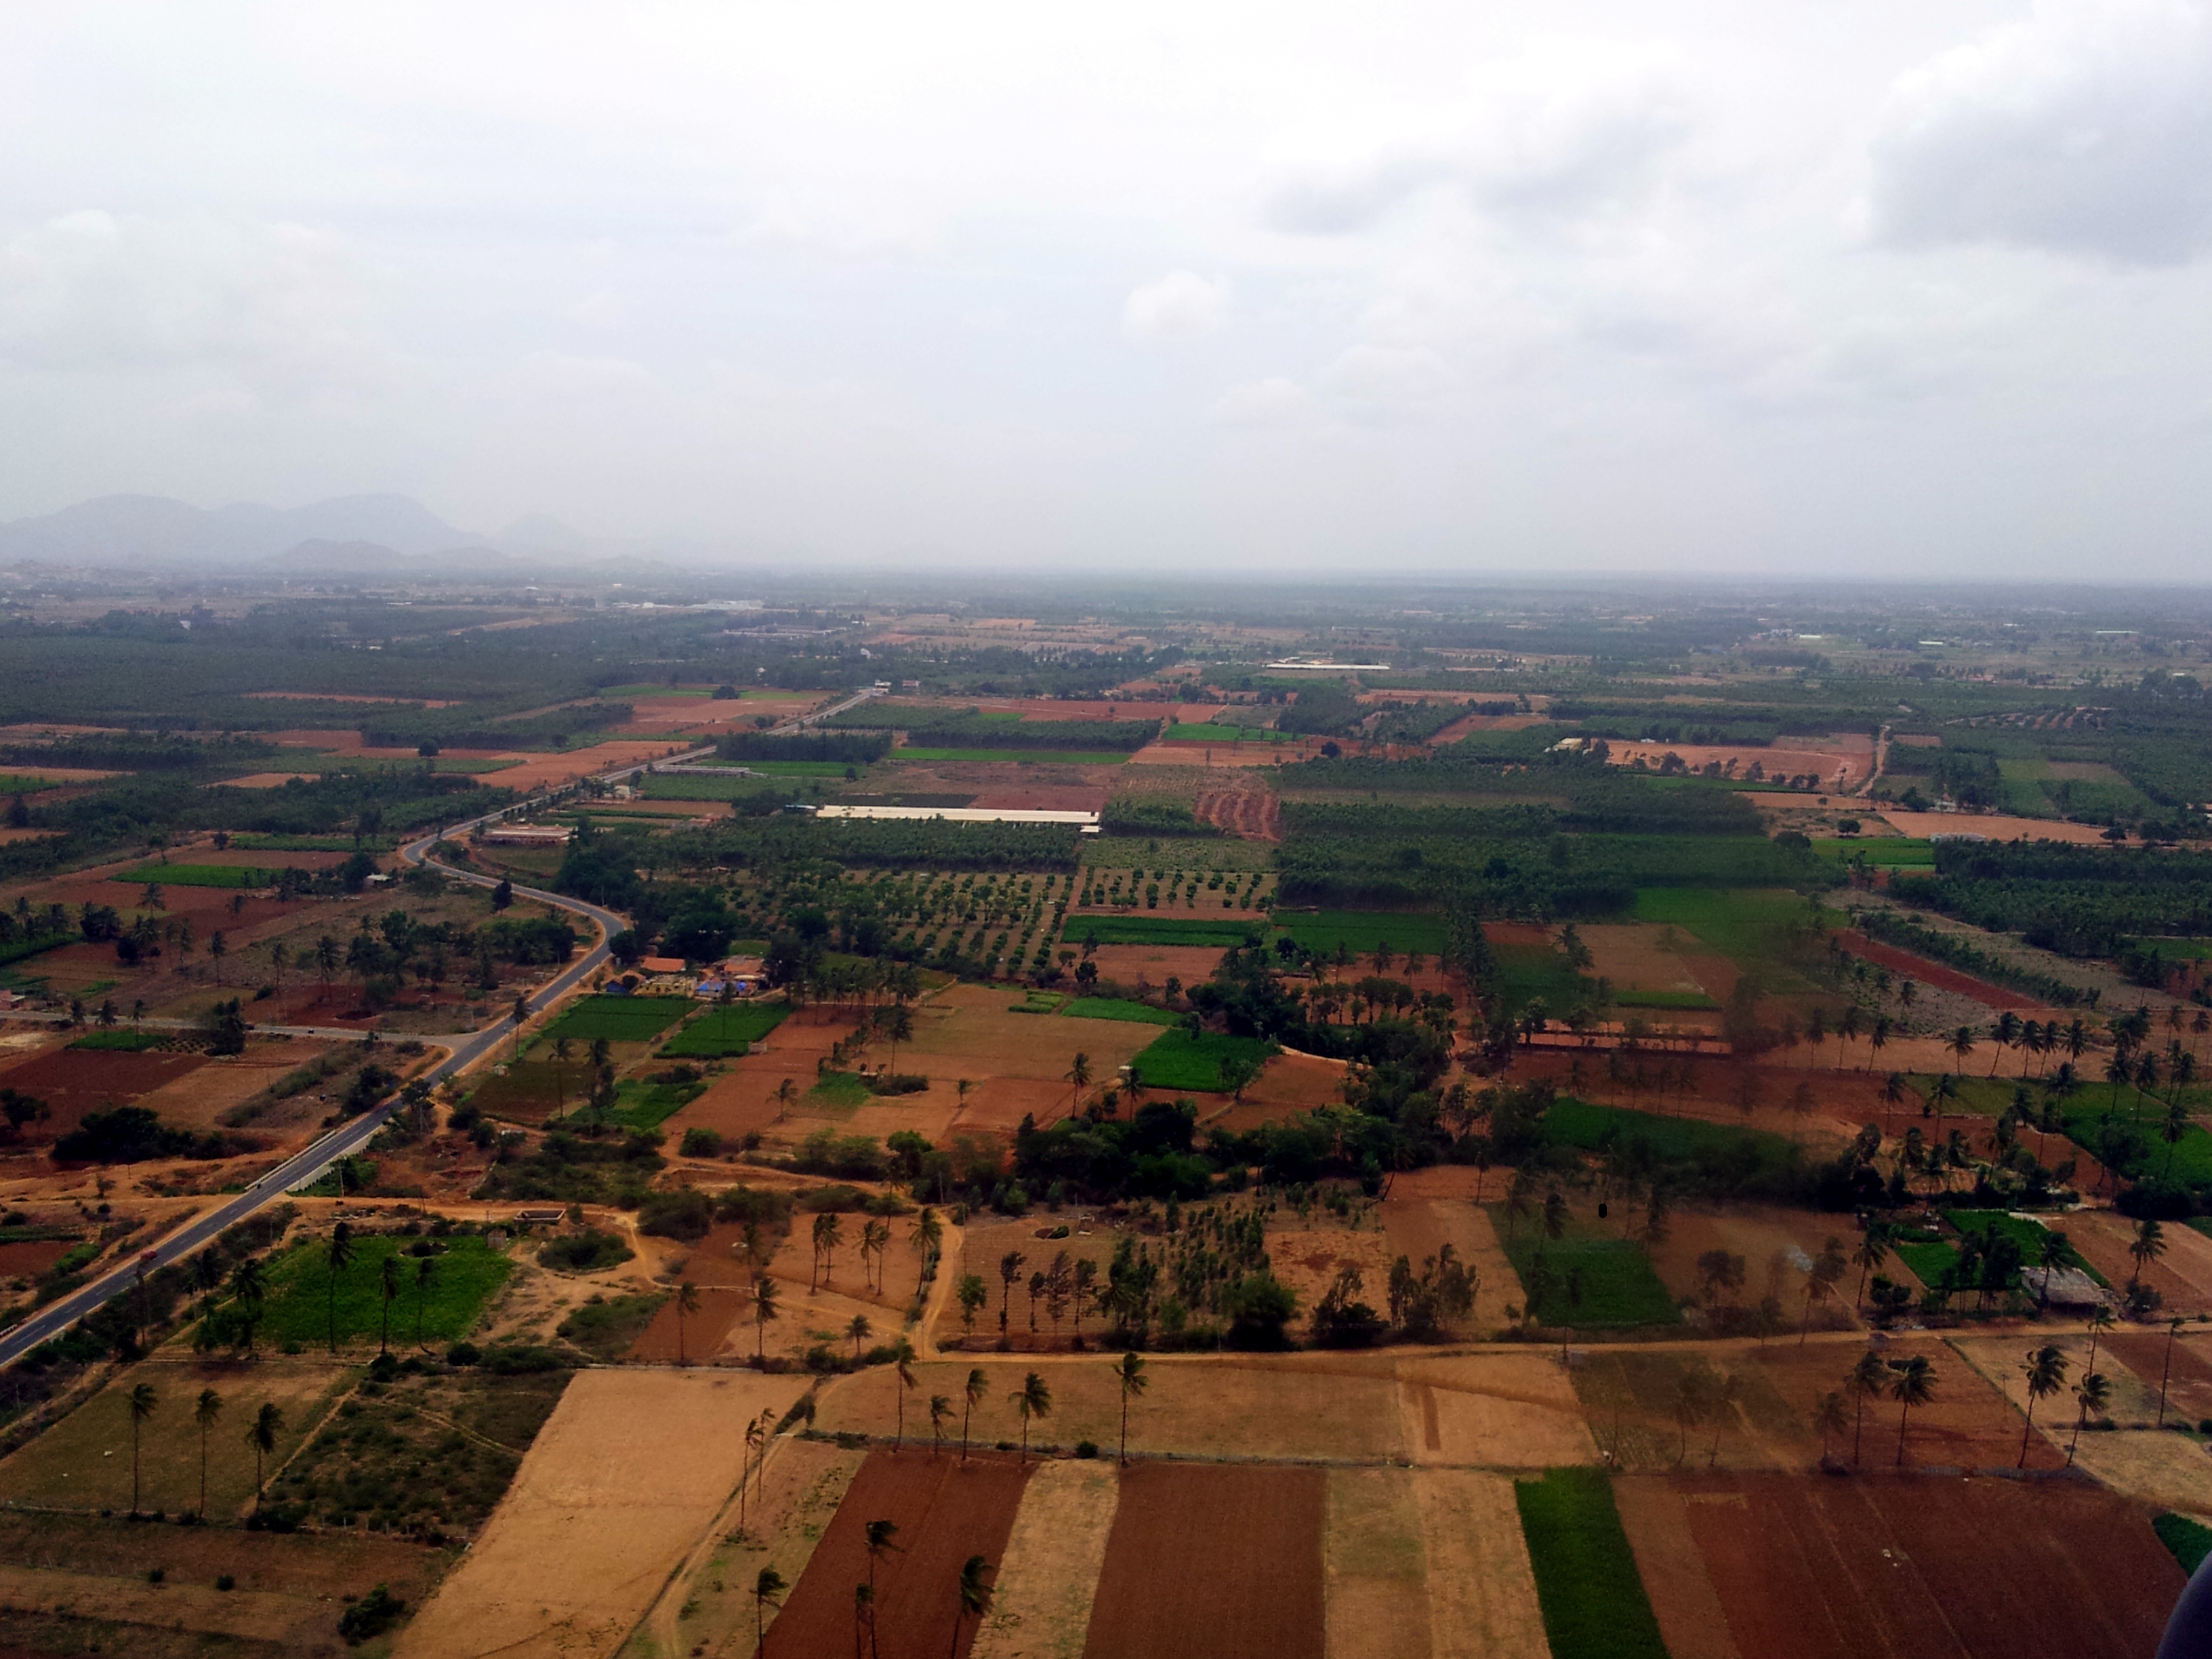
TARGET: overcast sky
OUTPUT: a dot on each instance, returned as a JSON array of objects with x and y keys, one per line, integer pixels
[{"x": 1902, "y": 287}]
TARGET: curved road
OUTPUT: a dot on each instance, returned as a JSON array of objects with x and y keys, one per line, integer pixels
[{"x": 302, "y": 1167}]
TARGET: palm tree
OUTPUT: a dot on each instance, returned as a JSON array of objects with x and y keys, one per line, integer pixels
[
  {"x": 205, "y": 1412},
  {"x": 2165, "y": 1371},
  {"x": 561, "y": 1049},
  {"x": 520, "y": 1014},
  {"x": 786, "y": 1093},
  {"x": 1009, "y": 1266},
  {"x": 975, "y": 1596},
  {"x": 1820, "y": 1283},
  {"x": 2051, "y": 1251},
  {"x": 1129, "y": 1375},
  {"x": 767, "y": 1589},
  {"x": 261, "y": 1435},
  {"x": 687, "y": 1302},
  {"x": 858, "y": 1328},
  {"x": 1828, "y": 1417},
  {"x": 249, "y": 1283},
  {"x": 764, "y": 1309},
  {"x": 928, "y": 1237},
  {"x": 974, "y": 1391},
  {"x": 1033, "y": 1399},
  {"x": 1079, "y": 1074},
  {"x": 829, "y": 1234},
  {"x": 1914, "y": 1384},
  {"x": 903, "y": 1368},
  {"x": 426, "y": 1269},
  {"x": 864, "y": 1612},
  {"x": 143, "y": 1400},
  {"x": 1961, "y": 1044},
  {"x": 341, "y": 1253},
  {"x": 875, "y": 1239},
  {"x": 2094, "y": 1391},
  {"x": 2147, "y": 1245},
  {"x": 877, "y": 1537},
  {"x": 2046, "y": 1371},
  {"x": 940, "y": 1408},
  {"x": 390, "y": 1282},
  {"x": 1872, "y": 1251}
]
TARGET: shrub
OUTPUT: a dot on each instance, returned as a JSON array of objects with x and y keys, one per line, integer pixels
[
  {"x": 685, "y": 1214},
  {"x": 374, "y": 1615},
  {"x": 700, "y": 1143},
  {"x": 462, "y": 1353},
  {"x": 585, "y": 1252}
]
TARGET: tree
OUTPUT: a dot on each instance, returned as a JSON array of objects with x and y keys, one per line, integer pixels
[
  {"x": 829, "y": 1234},
  {"x": 1820, "y": 1282},
  {"x": 927, "y": 1236},
  {"x": 768, "y": 1590},
  {"x": 1129, "y": 1377},
  {"x": 786, "y": 1093},
  {"x": 974, "y": 1593},
  {"x": 519, "y": 1014},
  {"x": 940, "y": 1409},
  {"x": 1032, "y": 1399},
  {"x": 261, "y": 1435},
  {"x": 205, "y": 1410},
  {"x": 1873, "y": 1250},
  {"x": 764, "y": 1309},
  {"x": 875, "y": 1237},
  {"x": 249, "y": 1283},
  {"x": 1010, "y": 1266},
  {"x": 877, "y": 1537},
  {"x": 2046, "y": 1371},
  {"x": 2165, "y": 1371},
  {"x": 1961, "y": 1044},
  {"x": 341, "y": 1257},
  {"x": 1914, "y": 1384},
  {"x": 2147, "y": 1245},
  {"x": 687, "y": 1302},
  {"x": 426, "y": 1269},
  {"x": 973, "y": 1391},
  {"x": 972, "y": 1295},
  {"x": 1829, "y": 1417},
  {"x": 858, "y": 1328},
  {"x": 896, "y": 1023},
  {"x": 2094, "y": 1392},
  {"x": 1079, "y": 1074},
  {"x": 902, "y": 1358},
  {"x": 143, "y": 1399}
]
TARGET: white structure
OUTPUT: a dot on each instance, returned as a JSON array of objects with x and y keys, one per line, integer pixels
[{"x": 1087, "y": 822}]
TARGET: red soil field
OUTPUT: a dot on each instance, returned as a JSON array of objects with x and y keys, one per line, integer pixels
[
  {"x": 945, "y": 1511},
  {"x": 32, "y": 1256},
  {"x": 1933, "y": 973},
  {"x": 1042, "y": 798},
  {"x": 2188, "y": 1386},
  {"x": 720, "y": 1309},
  {"x": 74, "y": 1081},
  {"x": 1212, "y": 1562},
  {"x": 1252, "y": 814},
  {"x": 1807, "y": 1568}
]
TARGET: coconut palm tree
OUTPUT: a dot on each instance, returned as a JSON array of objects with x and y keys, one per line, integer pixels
[
  {"x": 2051, "y": 1251},
  {"x": 1032, "y": 1399},
  {"x": 940, "y": 1409},
  {"x": 927, "y": 1236},
  {"x": 1079, "y": 1074},
  {"x": 1961, "y": 1044},
  {"x": 973, "y": 1391},
  {"x": 903, "y": 1370},
  {"x": 975, "y": 1592},
  {"x": 786, "y": 1092},
  {"x": 687, "y": 1302},
  {"x": 261, "y": 1435},
  {"x": 764, "y": 1309},
  {"x": 2094, "y": 1391},
  {"x": 249, "y": 1284},
  {"x": 143, "y": 1399},
  {"x": 2046, "y": 1371},
  {"x": 1913, "y": 1384},
  {"x": 341, "y": 1256},
  {"x": 2147, "y": 1245},
  {"x": 878, "y": 1235},
  {"x": 1873, "y": 1250},
  {"x": 426, "y": 1269},
  {"x": 1829, "y": 1417},
  {"x": 829, "y": 1234},
  {"x": 2165, "y": 1371},
  {"x": 756, "y": 1441},
  {"x": 876, "y": 1537},
  {"x": 391, "y": 1280},
  {"x": 205, "y": 1412},
  {"x": 1129, "y": 1377},
  {"x": 767, "y": 1592},
  {"x": 1010, "y": 1266}
]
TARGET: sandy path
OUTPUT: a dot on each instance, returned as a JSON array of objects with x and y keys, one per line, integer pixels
[
  {"x": 581, "y": 1545},
  {"x": 1374, "y": 1562},
  {"x": 1482, "y": 1589},
  {"x": 1050, "y": 1577}
]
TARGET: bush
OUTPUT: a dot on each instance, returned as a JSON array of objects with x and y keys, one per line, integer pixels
[
  {"x": 374, "y": 1615},
  {"x": 1086, "y": 1449},
  {"x": 700, "y": 1143},
  {"x": 585, "y": 1252},
  {"x": 685, "y": 1214},
  {"x": 521, "y": 1360},
  {"x": 462, "y": 1353}
]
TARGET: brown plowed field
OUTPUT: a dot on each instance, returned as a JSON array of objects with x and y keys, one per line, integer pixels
[
  {"x": 1249, "y": 814},
  {"x": 945, "y": 1511},
  {"x": 74, "y": 1081},
  {"x": 2189, "y": 1386},
  {"x": 720, "y": 1308},
  {"x": 1811, "y": 1567},
  {"x": 1212, "y": 1563},
  {"x": 1932, "y": 972}
]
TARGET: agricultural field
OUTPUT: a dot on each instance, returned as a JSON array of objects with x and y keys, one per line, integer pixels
[
  {"x": 310, "y": 1304},
  {"x": 725, "y": 1030},
  {"x": 619, "y": 1019}
]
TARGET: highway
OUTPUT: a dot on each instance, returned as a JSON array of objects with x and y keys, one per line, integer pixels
[{"x": 304, "y": 1166}]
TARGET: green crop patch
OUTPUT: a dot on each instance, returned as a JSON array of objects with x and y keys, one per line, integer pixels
[
  {"x": 1932, "y": 1260},
  {"x": 1534, "y": 973},
  {"x": 639, "y": 1104},
  {"x": 1662, "y": 1000},
  {"x": 1363, "y": 931},
  {"x": 620, "y": 1019},
  {"x": 2190, "y": 1541},
  {"x": 302, "y": 1305},
  {"x": 1043, "y": 757},
  {"x": 2028, "y": 1235},
  {"x": 1883, "y": 852},
  {"x": 1753, "y": 927},
  {"x": 1177, "y": 1061},
  {"x": 730, "y": 788},
  {"x": 726, "y": 1030},
  {"x": 1213, "y": 733},
  {"x": 1587, "y": 1127},
  {"x": 121, "y": 1042},
  {"x": 1585, "y": 1280},
  {"x": 1159, "y": 930},
  {"x": 197, "y": 875},
  {"x": 1592, "y": 1596},
  {"x": 843, "y": 1090},
  {"x": 1122, "y": 1008}
]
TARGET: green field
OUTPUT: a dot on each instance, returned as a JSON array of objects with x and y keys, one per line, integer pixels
[
  {"x": 2190, "y": 1540},
  {"x": 1525, "y": 972},
  {"x": 2028, "y": 1235},
  {"x": 1662, "y": 1000},
  {"x": 121, "y": 1042},
  {"x": 197, "y": 875},
  {"x": 1181, "y": 1063},
  {"x": 1141, "y": 1013},
  {"x": 18, "y": 783},
  {"x": 1362, "y": 930},
  {"x": 839, "y": 1089},
  {"x": 1594, "y": 1280},
  {"x": 1043, "y": 757},
  {"x": 726, "y": 1030},
  {"x": 314, "y": 843},
  {"x": 640, "y": 1104},
  {"x": 1212, "y": 733},
  {"x": 1751, "y": 927},
  {"x": 1587, "y": 1127},
  {"x": 620, "y": 692},
  {"x": 1930, "y": 1260},
  {"x": 733, "y": 788},
  {"x": 1587, "y": 1583},
  {"x": 299, "y": 1305},
  {"x": 1159, "y": 930},
  {"x": 619, "y": 1019},
  {"x": 1883, "y": 852}
]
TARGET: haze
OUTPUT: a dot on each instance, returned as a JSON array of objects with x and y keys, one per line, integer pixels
[{"x": 1887, "y": 289}]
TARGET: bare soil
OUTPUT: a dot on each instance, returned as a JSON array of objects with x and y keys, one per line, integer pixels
[
  {"x": 1049, "y": 1581},
  {"x": 1482, "y": 1591}
]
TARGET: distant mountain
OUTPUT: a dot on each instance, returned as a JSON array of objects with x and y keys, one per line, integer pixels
[
  {"x": 537, "y": 533},
  {"x": 139, "y": 530}
]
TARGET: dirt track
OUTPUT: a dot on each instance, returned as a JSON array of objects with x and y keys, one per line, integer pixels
[{"x": 1213, "y": 1563}]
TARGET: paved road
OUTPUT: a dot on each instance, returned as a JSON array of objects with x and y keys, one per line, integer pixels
[
  {"x": 791, "y": 727},
  {"x": 348, "y": 1137}
]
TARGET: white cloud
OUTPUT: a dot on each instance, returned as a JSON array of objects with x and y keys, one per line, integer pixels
[
  {"x": 1395, "y": 377},
  {"x": 1181, "y": 306},
  {"x": 1275, "y": 402},
  {"x": 2086, "y": 129}
]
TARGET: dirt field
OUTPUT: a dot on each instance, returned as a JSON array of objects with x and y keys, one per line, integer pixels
[
  {"x": 83, "y": 1461},
  {"x": 1807, "y": 1568},
  {"x": 1758, "y": 1233},
  {"x": 74, "y": 1081},
  {"x": 1497, "y": 1410},
  {"x": 1968, "y": 1424},
  {"x": 1429, "y": 1208},
  {"x": 2182, "y": 1275},
  {"x": 1049, "y": 1583},
  {"x": 32, "y": 1256},
  {"x": 581, "y": 1545},
  {"x": 537, "y": 771},
  {"x": 1995, "y": 826},
  {"x": 1147, "y": 965},
  {"x": 1933, "y": 973},
  {"x": 1482, "y": 1589},
  {"x": 1841, "y": 764},
  {"x": 945, "y": 1511},
  {"x": 2167, "y": 1470},
  {"x": 1213, "y": 1564},
  {"x": 722, "y": 1320},
  {"x": 2189, "y": 1385},
  {"x": 198, "y": 1099},
  {"x": 1249, "y": 812},
  {"x": 1288, "y": 1084}
]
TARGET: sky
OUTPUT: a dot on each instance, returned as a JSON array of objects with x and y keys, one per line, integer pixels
[{"x": 1891, "y": 289}]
